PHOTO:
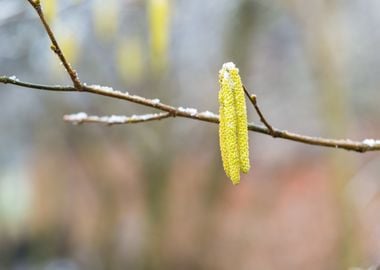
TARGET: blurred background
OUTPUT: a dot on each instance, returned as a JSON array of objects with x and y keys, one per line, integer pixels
[{"x": 154, "y": 195}]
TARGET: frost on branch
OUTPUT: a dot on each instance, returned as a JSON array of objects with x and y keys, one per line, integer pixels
[
  {"x": 76, "y": 118},
  {"x": 82, "y": 117},
  {"x": 371, "y": 142}
]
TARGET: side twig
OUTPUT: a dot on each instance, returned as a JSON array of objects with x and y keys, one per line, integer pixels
[
  {"x": 55, "y": 46},
  {"x": 82, "y": 117},
  {"x": 253, "y": 100}
]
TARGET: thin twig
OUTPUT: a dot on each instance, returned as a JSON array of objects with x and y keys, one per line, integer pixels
[
  {"x": 358, "y": 146},
  {"x": 57, "y": 88},
  {"x": 55, "y": 46},
  {"x": 82, "y": 117},
  {"x": 253, "y": 100}
]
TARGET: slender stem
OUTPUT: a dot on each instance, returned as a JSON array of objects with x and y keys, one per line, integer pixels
[
  {"x": 253, "y": 100},
  {"x": 356, "y": 146},
  {"x": 81, "y": 118},
  {"x": 55, "y": 46},
  {"x": 57, "y": 88}
]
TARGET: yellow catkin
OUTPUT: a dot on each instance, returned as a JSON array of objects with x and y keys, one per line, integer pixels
[
  {"x": 222, "y": 138},
  {"x": 129, "y": 59},
  {"x": 50, "y": 9},
  {"x": 241, "y": 115},
  {"x": 106, "y": 17},
  {"x": 159, "y": 28},
  {"x": 233, "y": 133}
]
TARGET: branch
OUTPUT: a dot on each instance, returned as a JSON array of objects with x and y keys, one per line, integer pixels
[
  {"x": 168, "y": 110},
  {"x": 55, "y": 46},
  {"x": 357, "y": 146},
  {"x": 82, "y": 117}
]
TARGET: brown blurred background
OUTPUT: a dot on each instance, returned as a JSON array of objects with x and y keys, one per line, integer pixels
[{"x": 154, "y": 195}]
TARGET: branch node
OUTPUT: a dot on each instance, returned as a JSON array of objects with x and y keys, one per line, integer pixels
[
  {"x": 173, "y": 113},
  {"x": 77, "y": 84},
  {"x": 36, "y": 3},
  {"x": 54, "y": 49}
]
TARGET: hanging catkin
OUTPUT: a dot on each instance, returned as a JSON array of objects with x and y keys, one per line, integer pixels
[{"x": 233, "y": 133}]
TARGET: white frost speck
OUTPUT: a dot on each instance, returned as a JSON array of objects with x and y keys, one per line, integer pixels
[
  {"x": 113, "y": 119},
  {"x": 142, "y": 117},
  {"x": 102, "y": 88},
  {"x": 229, "y": 66},
  {"x": 208, "y": 114},
  {"x": 226, "y": 75},
  {"x": 77, "y": 117},
  {"x": 371, "y": 142},
  {"x": 13, "y": 77},
  {"x": 225, "y": 71},
  {"x": 190, "y": 111},
  {"x": 106, "y": 89},
  {"x": 147, "y": 116},
  {"x": 155, "y": 101},
  {"x": 134, "y": 117}
]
